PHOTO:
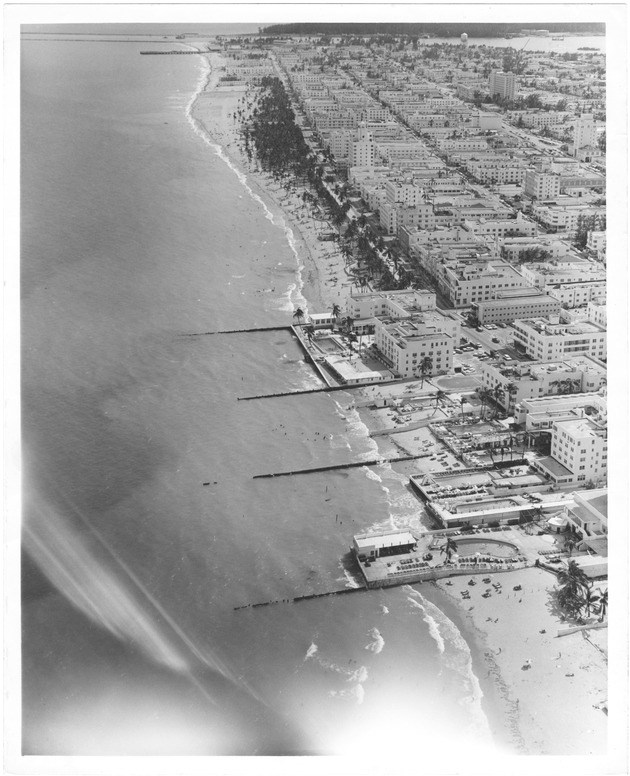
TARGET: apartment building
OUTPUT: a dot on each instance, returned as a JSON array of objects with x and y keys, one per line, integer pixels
[
  {"x": 472, "y": 281},
  {"x": 596, "y": 312},
  {"x": 389, "y": 304},
  {"x": 530, "y": 379},
  {"x": 546, "y": 274},
  {"x": 501, "y": 228},
  {"x": 513, "y": 248},
  {"x": 572, "y": 295},
  {"x": 403, "y": 344},
  {"x": 579, "y": 451},
  {"x": 498, "y": 171},
  {"x": 547, "y": 339},
  {"x": 540, "y": 413},
  {"x": 564, "y": 215},
  {"x": 541, "y": 185},
  {"x": 502, "y": 85},
  {"x": 584, "y": 133},
  {"x": 509, "y": 306}
]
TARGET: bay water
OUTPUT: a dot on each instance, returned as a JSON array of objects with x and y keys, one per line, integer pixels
[{"x": 143, "y": 527}]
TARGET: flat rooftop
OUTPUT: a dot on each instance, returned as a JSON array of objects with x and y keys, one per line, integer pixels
[{"x": 555, "y": 467}]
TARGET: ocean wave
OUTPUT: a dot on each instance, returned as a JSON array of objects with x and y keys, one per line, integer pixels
[
  {"x": 204, "y": 83},
  {"x": 384, "y": 609},
  {"x": 434, "y": 629},
  {"x": 377, "y": 643},
  {"x": 348, "y": 578},
  {"x": 311, "y": 651},
  {"x": 372, "y": 475},
  {"x": 457, "y": 657}
]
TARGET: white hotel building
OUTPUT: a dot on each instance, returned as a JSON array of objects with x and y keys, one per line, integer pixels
[
  {"x": 548, "y": 340},
  {"x": 403, "y": 344}
]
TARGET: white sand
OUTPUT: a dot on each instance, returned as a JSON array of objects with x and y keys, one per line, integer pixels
[{"x": 553, "y": 707}]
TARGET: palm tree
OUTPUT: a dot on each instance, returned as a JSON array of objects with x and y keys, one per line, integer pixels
[
  {"x": 574, "y": 585},
  {"x": 590, "y": 598},
  {"x": 448, "y": 549},
  {"x": 426, "y": 367},
  {"x": 573, "y": 577},
  {"x": 299, "y": 314},
  {"x": 336, "y": 311},
  {"x": 439, "y": 397},
  {"x": 484, "y": 395},
  {"x": 603, "y": 603},
  {"x": 463, "y": 401}
]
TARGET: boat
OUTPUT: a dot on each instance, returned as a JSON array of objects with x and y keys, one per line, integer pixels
[{"x": 557, "y": 38}]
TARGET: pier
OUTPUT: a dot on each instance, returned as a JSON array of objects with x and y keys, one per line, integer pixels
[{"x": 354, "y": 465}]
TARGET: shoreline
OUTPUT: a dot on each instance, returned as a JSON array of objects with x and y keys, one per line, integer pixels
[
  {"x": 318, "y": 287},
  {"x": 522, "y": 721},
  {"x": 527, "y": 703}
]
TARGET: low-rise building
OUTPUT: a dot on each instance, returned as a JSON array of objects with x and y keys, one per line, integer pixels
[
  {"x": 510, "y": 305},
  {"x": 547, "y": 339},
  {"x": 389, "y": 304},
  {"x": 578, "y": 294},
  {"x": 539, "y": 414},
  {"x": 467, "y": 282},
  {"x": 514, "y": 382}
]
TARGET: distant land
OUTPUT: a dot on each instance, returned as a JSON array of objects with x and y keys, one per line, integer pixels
[{"x": 445, "y": 30}]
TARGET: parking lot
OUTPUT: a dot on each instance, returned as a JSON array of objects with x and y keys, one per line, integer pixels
[{"x": 493, "y": 339}]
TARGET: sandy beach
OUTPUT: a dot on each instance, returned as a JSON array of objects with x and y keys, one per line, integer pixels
[
  {"x": 543, "y": 694},
  {"x": 322, "y": 266}
]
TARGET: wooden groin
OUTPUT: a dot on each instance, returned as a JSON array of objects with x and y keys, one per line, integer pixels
[
  {"x": 239, "y": 331},
  {"x": 299, "y": 598},
  {"x": 355, "y": 465},
  {"x": 173, "y": 52},
  {"x": 328, "y": 389}
]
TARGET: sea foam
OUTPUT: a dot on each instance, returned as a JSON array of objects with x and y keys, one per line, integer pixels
[{"x": 377, "y": 643}]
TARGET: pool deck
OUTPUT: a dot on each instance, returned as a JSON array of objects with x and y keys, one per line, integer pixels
[{"x": 411, "y": 568}]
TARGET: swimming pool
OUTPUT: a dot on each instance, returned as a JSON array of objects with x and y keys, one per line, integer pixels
[{"x": 494, "y": 547}]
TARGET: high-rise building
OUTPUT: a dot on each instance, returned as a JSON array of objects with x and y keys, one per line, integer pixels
[
  {"x": 363, "y": 149},
  {"x": 585, "y": 133},
  {"x": 502, "y": 85}
]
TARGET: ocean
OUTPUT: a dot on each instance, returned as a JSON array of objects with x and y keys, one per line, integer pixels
[{"x": 143, "y": 528}]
